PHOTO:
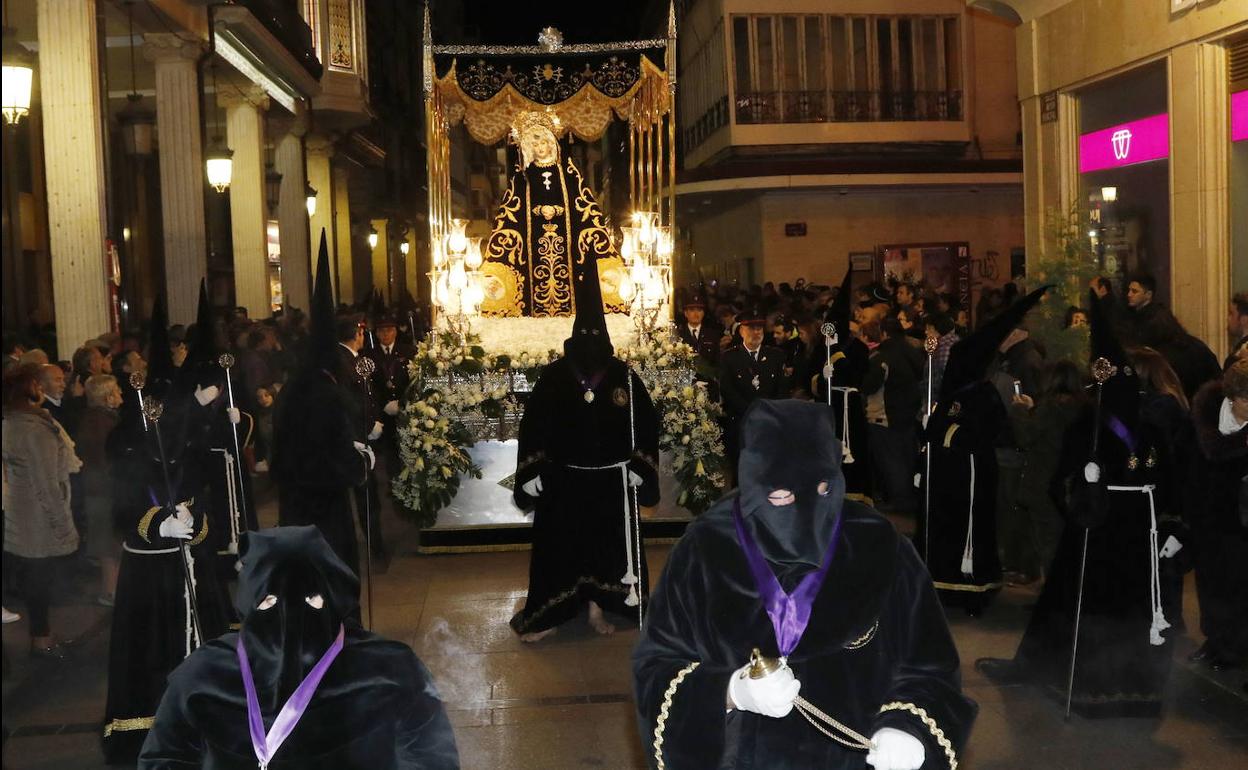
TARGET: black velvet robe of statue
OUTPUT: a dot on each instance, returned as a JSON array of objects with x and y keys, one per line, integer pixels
[
  {"x": 375, "y": 709},
  {"x": 877, "y": 653},
  {"x": 850, "y": 361},
  {"x": 1118, "y": 672},
  {"x": 315, "y": 463},
  {"x": 579, "y": 552},
  {"x": 151, "y": 631},
  {"x": 962, "y": 430}
]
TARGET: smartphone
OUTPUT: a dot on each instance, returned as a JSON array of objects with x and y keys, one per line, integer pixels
[{"x": 1017, "y": 388}]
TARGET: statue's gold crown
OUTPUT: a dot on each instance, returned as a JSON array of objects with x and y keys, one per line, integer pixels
[{"x": 532, "y": 119}]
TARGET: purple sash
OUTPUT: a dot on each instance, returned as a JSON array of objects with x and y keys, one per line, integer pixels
[
  {"x": 789, "y": 613},
  {"x": 266, "y": 745},
  {"x": 1119, "y": 429}
]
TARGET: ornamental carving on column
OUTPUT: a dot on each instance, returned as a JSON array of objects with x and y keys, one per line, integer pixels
[{"x": 341, "y": 34}]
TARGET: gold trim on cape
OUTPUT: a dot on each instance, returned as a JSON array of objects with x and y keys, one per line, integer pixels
[
  {"x": 930, "y": 724},
  {"x": 125, "y": 725},
  {"x": 664, "y": 711}
]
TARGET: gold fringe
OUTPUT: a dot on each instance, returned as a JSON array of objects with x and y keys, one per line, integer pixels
[
  {"x": 145, "y": 523},
  {"x": 203, "y": 533},
  {"x": 931, "y": 725},
  {"x": 584, "y": 580},
  {"x": 865, "y": 639},
  {"x": 500, "y": 548},
  {"x": 966, "y": 586},
  {"x": 861, "y": 498},
  {"x": 664, "y": 712},
  {"x": 124, "y": 725}
]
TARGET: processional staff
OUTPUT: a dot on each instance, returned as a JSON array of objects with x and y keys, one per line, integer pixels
[
  {"x": 365, "y": 367},
  {"x": 227, "y": 363},
  {"x": 929, "y": 346}
]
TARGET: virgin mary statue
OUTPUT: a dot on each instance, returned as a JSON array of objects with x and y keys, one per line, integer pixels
[{"x": 548, "y": 224}]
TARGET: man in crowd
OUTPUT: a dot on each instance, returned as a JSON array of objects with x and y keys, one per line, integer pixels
[
  {"x": 366, "y": 418},
  {"x": 390, "y": 381},
  {"x": 698, "y": 334},
  {"x": 1237, "y": 325},
  {"x": 748, "y": 372}
]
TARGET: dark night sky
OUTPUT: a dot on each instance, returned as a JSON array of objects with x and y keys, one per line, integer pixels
[{"x": 517, "y": 22}]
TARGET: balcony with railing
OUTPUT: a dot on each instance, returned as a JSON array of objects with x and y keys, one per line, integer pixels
[{"x": 757, "y": 108}]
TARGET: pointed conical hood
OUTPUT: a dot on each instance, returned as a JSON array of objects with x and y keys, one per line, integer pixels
[
  {"x": 321, "y": 338},
  {"x": 159, "y": 355},
  {"x": 839, "y": 313},
  {"x": 1121, "y": 393},
  {"x": 202, "y": 345},
  {"x": 969, "y": 358},
  {"x": 590, "y": 343},
  {"x": 1104, "y": 338}
]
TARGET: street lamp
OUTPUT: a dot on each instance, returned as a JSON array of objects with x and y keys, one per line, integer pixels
[
  {"x": 19, "y": 76},
  {"x": 309, "y": 199},
  {"x": 372, "y": 238},
  {"x": 272, "y": 186},
  {"x": 219, "y": 161},
  {"x": 404, "y": 247}
]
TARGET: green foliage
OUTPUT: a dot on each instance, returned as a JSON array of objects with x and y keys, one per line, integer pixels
[{"x": 1069, "y": 263}]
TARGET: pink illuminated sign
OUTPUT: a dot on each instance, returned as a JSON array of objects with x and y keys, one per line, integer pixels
[
  {"x": 1239, "y": 116},
  {"x": 1125, "y": 145}
]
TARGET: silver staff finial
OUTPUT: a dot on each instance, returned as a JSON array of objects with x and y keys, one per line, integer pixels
[
  {"x": 1102, "y": 369},
  {"x": 364, "y": 366},
  {"x": 226, "y": 361},
  {"x": 828, "y": 329},
  {"x": 153, "y": 409},
  {"x": 929, "y": 345},
  {"x": 138, "y": 380}
]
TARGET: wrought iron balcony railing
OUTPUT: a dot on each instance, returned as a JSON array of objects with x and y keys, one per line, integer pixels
[{"x": 847, "y": 106}]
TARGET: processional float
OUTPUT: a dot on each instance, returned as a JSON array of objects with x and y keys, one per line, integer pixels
[{"x": 575, "y": 90}]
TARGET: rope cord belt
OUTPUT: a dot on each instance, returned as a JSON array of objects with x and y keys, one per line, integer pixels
[
  {"x": 845, "y": 390},
  {"x": 968, "y": 550},
  {"x": 1159, "y": 622},
  {"x": 814, "y": 715}
]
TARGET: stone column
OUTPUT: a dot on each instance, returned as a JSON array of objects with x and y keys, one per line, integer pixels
[
  {"x": 342, "y": 228},
  {"x": 379, "y": 261},
  {"x": 292, "y": 219},
  {"x": 319, "y": 151},
  {"x": 244, "y": 118},
  {"x": 1200, "y": 248},
  {"x": 182, "y": 171},
  {"x": 69, "y": 86}
]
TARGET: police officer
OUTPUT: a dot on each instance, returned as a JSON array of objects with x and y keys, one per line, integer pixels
[
  {"x": 390, "y": 381},
  {"x": 700, "y": 334},
  {"x": 749, "y": 371}
]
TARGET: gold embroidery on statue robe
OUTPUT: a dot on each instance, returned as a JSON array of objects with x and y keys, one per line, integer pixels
[{"x": 552, "y": 287}]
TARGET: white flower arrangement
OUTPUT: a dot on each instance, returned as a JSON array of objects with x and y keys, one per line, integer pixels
[{"x": 457, "y": 385}]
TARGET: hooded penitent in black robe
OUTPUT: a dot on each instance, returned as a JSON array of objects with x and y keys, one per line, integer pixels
[
  {"x": 1124, "y": 649},
  {"x": 314, "y": 461},
  {"x": 958, "y": 536},
  {"x": 152, "y": 630},
  {"x": 876, "y": 653},
  {"x": 1218, "y": 514},
  {"x": 585, "y": 521},
  {"x": 375, "y": 709}
]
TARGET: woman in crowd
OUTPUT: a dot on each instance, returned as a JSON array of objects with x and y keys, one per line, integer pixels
[
  {"x": 38, "y": 523},
  {"x": 98, "y": 421}
]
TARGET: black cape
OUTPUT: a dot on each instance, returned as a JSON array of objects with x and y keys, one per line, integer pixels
[
  {"x": 962, "y": 432},
  {"x": 1118, "y": 671},
  {"x": 877, "y": 653},
  {"x": 375, "y": 708},
  {"x": 151, "y": 631},
  {"x": 314, "y": 461},
  {"x": 579, "y": 552},
  {"x": 850, "y": 361}
]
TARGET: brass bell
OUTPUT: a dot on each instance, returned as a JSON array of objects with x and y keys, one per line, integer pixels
[{"x": 761, "y": 667}]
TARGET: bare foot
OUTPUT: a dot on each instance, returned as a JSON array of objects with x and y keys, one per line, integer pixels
[
  {"x": 536, "y": 636},
  {"x": 597, "y": 621}
]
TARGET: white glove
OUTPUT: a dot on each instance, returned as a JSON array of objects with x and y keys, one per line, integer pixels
[
  {"x": 174, "y": 526},
  {"x": 235, "y": 416},
  {"x": 827, "y": 371},
  {"x": 184, "y": 514},
  {"x": 366, "y": 452},
  {"x": 895, "y": 750},
  {"x": 771, "y": 696},
  {"x": 1091, "y": 473},
  {"x": 533, "y": 487},
  {"x": 391, "y": 408},
  {"x": 375, "y": 433},
  {"x": 206, "y": 396},
  {"x": 633, "y": 479},
  {"x": 1170, "y": 548}
]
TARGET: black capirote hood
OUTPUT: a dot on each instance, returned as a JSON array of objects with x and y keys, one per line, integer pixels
[
  {"x": 788, "y": 444},
  {"x": 285, "y": 641}
]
